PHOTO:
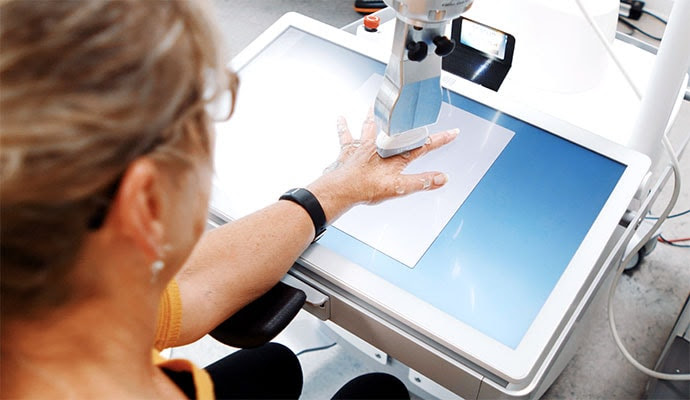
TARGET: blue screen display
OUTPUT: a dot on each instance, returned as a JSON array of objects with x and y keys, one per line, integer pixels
[{"x": 499, "y": 257}]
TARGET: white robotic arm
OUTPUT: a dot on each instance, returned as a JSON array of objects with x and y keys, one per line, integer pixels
[{"x": 410, "y": 97}]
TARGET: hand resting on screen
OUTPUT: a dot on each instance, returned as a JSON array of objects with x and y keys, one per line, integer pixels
[
  {"x": 361, "y": 176},
  {"x": 239, "y": 261}
]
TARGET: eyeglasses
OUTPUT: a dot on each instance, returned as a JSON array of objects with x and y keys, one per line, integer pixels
[{"x": 220, "y": 108}]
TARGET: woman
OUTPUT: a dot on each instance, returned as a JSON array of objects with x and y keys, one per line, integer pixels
[{"x": 106, "y": 166}]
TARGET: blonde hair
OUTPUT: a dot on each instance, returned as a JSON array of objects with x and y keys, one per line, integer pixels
[{"x": 86, "y": 87}]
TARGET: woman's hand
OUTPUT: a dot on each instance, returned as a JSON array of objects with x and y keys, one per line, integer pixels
[
  {"x": 236, "y": 263},
  {"x": 360, "y": 175}
]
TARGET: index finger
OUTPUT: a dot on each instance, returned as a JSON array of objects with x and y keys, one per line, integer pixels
[{"x": 434, "y": 142}]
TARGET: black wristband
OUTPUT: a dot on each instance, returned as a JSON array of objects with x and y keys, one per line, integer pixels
[{"x": 311, "y": 205}]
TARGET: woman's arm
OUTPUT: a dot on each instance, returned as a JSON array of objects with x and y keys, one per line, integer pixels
[{"x": 238, "y": 262}]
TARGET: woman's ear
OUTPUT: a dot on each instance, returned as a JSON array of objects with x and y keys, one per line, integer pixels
[{"x": 136, "y": 212}]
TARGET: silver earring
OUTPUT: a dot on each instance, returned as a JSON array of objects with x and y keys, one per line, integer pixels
[{"x": 156, "y": 267}]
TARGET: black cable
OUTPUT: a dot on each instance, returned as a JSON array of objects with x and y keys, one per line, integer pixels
[
  {"x": 637, "y": 28},
  {"x": 328, "y": 346},
  {"x": 651, "y": 14},
  {"x": 632, "y": 31}
]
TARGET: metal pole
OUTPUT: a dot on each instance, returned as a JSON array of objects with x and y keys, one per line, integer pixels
[{"x": 663, "y": 88}]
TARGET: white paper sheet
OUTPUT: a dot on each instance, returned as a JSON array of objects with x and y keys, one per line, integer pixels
[{"x": 405, "y": 228}]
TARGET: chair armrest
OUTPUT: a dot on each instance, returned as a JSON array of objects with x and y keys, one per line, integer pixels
[{"x": 263, "y": 319}]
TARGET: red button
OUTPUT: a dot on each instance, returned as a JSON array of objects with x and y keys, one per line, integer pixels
[{"x": 371, "y": 22}]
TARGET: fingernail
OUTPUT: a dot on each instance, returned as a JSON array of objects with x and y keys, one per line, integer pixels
[
  {"x": 440, "y": 179},
  {"x": 453, "y": 133}
]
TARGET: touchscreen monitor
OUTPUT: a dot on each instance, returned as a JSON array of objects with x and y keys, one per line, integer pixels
[{"x": 496, "y": 250}]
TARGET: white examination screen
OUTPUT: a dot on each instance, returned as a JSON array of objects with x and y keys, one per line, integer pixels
[{"x": 487, "y": 249}]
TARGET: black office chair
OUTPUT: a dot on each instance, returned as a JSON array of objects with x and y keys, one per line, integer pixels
[
  {"x": 263, "y": 319},
  {"x": 368, "y": 6}
]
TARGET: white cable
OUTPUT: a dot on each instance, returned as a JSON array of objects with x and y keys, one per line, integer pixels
[
  {"x": 659, "y": 222},
  {"x": 621, "y": 267},
  {"x": 608, "y": 47}
]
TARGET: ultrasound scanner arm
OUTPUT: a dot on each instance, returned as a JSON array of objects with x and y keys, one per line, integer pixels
[{"x": 410, "y": 96}]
